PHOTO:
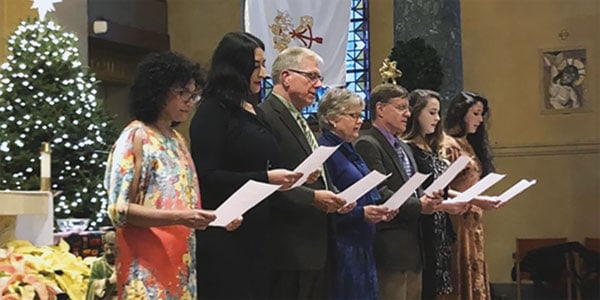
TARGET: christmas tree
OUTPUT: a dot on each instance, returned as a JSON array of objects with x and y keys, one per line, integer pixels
[{"x": 47, "y": 95}]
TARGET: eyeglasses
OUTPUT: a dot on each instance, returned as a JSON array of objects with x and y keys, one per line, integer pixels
[
  {"x": 309, "y": 75},
  {"x": 356, "y": 116},
  {"x": 187, "y": 96},
  {"x": 401, "y": 108}
]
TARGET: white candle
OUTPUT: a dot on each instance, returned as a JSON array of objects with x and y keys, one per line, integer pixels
[
  {"x": 45, "y": 162},
  {"x": 45, "y": 165}
]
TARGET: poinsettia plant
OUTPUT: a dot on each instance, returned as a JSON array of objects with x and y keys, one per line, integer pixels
[{"x": 30, "y": 272}]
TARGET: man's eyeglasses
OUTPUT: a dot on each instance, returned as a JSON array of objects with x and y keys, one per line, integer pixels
[
  {"x": 401, "y": 108},
  {"x": 187, "y": 96},
  {"x": 309, "y": 75}
]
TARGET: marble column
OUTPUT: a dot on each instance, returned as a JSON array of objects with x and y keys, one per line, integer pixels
[{"x": 438, "y": 23}]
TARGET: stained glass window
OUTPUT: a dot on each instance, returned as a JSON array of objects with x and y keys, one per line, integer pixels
[{"x": 357, "y": 59}]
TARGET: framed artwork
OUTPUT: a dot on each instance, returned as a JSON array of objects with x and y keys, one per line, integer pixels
[{"x": 563, "y": 81}]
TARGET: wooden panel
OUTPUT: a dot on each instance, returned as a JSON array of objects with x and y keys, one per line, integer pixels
[
  {"x": 149, "y": 15},
  {"x": 12, "y": 12},
  {"x": 134, "y": 28},
  {"x": 113, "y": 62},
  {"x": 144, "y": 15},
  {"x": 132, "y": 36}
]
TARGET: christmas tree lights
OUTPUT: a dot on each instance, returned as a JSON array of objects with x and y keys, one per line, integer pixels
[{"x": 46, "y": 94}]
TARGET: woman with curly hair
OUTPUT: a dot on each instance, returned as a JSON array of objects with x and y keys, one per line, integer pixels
[
  {"x": 466, "y": 135},
  {"x": 154, "y": 198}
]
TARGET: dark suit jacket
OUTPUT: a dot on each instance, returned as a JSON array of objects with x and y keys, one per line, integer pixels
[
  {"x": 301, "y": 232},
  {"x": 398, "y": 242}
]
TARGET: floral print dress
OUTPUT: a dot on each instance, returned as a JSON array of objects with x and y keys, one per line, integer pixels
[
  {"x": 153, "y": 262},
  {"x": 469, "y": 270}
]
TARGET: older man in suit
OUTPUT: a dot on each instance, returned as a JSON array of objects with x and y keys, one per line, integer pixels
[
  {"x": 302, "y": 231},
  {"x": 398, "y": 242}
]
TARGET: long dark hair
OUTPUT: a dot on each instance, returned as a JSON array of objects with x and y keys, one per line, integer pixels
[
  {"x": 418, "y": 100},
  {"x": 231, "y": 67},
  {"x": 456, "y": 127}
]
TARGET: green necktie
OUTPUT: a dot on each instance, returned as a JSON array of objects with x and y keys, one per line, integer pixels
[
  {"x": 312, "y": 141},
  {"x": 310, "y": 137}
]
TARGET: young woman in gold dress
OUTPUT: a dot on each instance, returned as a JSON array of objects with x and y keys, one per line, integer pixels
[{"x": 466, "y": 135}]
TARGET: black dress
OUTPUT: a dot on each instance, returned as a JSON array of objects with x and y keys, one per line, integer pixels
[
  {"x": 437, "y": 231},
  {"x": 229, "y": 148}
]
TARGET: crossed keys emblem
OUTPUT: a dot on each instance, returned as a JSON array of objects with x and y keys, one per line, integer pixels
[{"x": 284, "y": 31}]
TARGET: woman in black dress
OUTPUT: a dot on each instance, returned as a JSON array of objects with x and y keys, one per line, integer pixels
[
  {"x": 230, "y": 145},
  {"x": 424, "y": 135}
]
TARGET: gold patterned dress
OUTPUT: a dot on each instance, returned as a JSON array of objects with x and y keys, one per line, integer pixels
[
  {"x": 153, "y": 262},
  {"x": 469, "y": 271}
]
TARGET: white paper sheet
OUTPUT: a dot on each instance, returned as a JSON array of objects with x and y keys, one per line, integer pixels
[
  {"x": 242, "y": 200},
  {"x": 448, "y": 175},
  {"x": 313, "y": 162},
  {"x": 478, "y": 188},
  {"x": 361, "y": 187},
  {"x": 405, "y": 191},
  {"x": 488, "y": 198},
  {"x": 516, "y": 189}
]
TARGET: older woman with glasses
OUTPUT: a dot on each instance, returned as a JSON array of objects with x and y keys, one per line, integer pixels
[
  {"x": 153, "y": 194},
  {"x": 340, "y": 120}
]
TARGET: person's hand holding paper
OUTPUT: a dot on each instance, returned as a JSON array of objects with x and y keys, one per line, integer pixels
[
  {"x": 375, "y": 213},
  {"x": 358, "y": 189},
  {"x": 197, "y": 219},
  {"x": 478, "y": 188},
  {"x": 485, "y": 202},
  {"x": 313, "y": 162},
  {"x": 454, "y": 208},
  {"x": 493, "y": 202},
  {"x": 346, "y": 208},
  {"x": 328, "y": 201},
  {"x": 430, "y": 202},
  {"x": 283, "y": 177},
  {"x": 312, "y": 177},
  {"x": 405, "y": 191},
  {"x": 372, "y": 213}
]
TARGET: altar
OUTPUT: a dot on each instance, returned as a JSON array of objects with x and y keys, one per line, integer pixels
[{"x": 26, "y": 215}]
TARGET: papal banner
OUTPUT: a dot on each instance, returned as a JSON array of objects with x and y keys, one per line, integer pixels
[{"x": 321, "y": 25}]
